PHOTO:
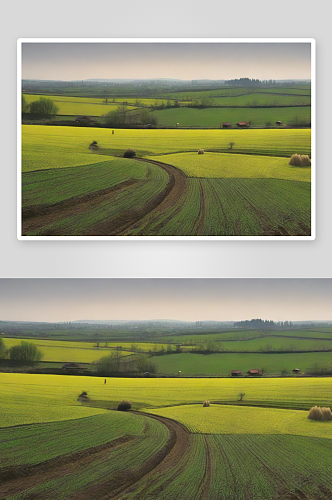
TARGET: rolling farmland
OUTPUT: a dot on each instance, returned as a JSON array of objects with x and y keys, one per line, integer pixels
[
  {"x": 251, "y": 452},
  {"x": 171, "y": 191}
]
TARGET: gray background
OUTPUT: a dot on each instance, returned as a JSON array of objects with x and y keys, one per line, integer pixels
[{"x": 73, "y": 18}]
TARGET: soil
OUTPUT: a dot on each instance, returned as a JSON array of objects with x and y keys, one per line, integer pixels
[{"x": 15, "y": 480}]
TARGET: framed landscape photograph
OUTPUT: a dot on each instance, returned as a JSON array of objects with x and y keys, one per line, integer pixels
[
  {"x": 166, "y": 139},
  {"x": 148, "y": 389}
]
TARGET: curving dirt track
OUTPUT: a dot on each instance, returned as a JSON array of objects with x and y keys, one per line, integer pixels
[
  {"x": 171, "y": 454},
  {"x": 37, "y": 217},
  {"x": 15, "y": 480},
  {"x": 176, "y": 186}
]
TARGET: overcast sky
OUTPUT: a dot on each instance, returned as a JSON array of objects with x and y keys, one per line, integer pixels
[
  {"x": 181, "y": 299},
  {"x": 188, "y": 61}
]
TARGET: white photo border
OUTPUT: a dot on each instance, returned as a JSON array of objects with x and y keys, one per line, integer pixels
[{"x": 22, "y": 41}]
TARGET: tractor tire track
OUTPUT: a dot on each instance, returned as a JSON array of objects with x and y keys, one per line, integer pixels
[
  {"x": 201, "y": 215},
  {"x": 208, "y": 472},
  {"x": 178, "y": 184},
  {"x": 16, "y": 479},
  {"x": 165, "y": 459},
  {"x": 39, "y": 216}
]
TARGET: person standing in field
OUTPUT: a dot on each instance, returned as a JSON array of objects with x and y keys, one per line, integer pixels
[{"x": 105, "y": 381}]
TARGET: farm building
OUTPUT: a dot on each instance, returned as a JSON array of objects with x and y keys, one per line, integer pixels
[
  {"x": 296, "y": 370},
  {"x": 278, "y": 122},
  {"x": 226, "y": 125},
  {"x": 242, "y": 124},
  {"x": 83, "y": 120},
  {"x": 73, "y": 367},
  {"x": 254, "y": 372},
  {"x": 236, "y": 373}
]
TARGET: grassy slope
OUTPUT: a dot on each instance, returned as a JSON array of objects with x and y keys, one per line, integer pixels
[
  {"x": 47, "y": 146},
  {"x": 74, "y": 106},
  {"x": 223, "y": 165},
  {"x": 149, "y": 437},
  {"x": 232, "y": 207},
  {"x": 238, "y": 91},
  {"x": 60, "y": 438},
  {"x": 210, "y": 117},
  {"x": 244, "y": 467},
  {"x": 52, "y": 391},
  {"x": 222, "y": 364},
  {"x": 53, "y": 186},
  {"x": 219, "y": 419}
]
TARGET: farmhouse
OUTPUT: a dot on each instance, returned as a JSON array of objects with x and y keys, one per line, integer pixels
[
  {"x": 254, "y": 372},
  {"x": 242, "y": 124},
  {"x": 226, "y": 125},
  {"x": 84, "y": 119},
  {"x": 236, "y": 373},
  {"x": 73, "y": 368}
]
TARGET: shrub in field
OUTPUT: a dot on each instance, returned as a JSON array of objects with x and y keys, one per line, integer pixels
[
  {"x": 300, "y": 161},
  {"x": 124, "y": 405},
  {"x": 201, "y": 151},
  {"x": 319, "y": 413},
  {"x": 94, "y": 145},
  {"x": 129, "y": 153},
  {"x": 206, "y": 404},
  {"x": 83, "y": 397}
]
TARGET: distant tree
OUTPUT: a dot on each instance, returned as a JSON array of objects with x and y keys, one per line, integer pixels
[
  {"x": 113, "y": 118},
  {"x": 25, "y": 351},
  {"x": 3, "y": 351},
  {"x": 143, "y": 364},
  {"x": 25, "y": 105},
  {"x": 115, "y": 363},
  {"x": 241, "y": 396},
  {"x": 43, "y": 107},
  {"x": 231, "y": 144}
]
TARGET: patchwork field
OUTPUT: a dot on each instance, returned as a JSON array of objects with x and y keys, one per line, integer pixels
[
  {"x": 250, "y": 190},
  {"x": 222, "y": 364},
  {"x": 219, "y": 452},
  {"x": 214, "y": 117}
]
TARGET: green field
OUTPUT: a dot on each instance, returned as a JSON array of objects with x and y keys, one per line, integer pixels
[
  {"x": 232, "y": 419},
  {"x": 76, "y": 106},
  {"x": 223, "y": 363},
  {"x": 234, "y": 166},
  {"x": 251, "y": 191},
  {"x": 32, "y": 391},
  {"x": 254, "y": 453},
  {"x": 214, "y": 117}
]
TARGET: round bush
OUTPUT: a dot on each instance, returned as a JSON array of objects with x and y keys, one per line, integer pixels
[
  {"x": 124, "y": 406},
  {"x": 129, "y": 153}
]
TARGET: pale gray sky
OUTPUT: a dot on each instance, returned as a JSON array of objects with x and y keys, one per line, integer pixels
[
  {"x": 188, "y": 61},
  {"x": 182, "y": 299}
]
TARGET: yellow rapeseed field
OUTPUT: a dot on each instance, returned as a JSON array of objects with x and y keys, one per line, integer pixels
[
  {"x": 218, "y": 419},
  {"x": 54, "y": 147},
  {"x": 223, "y": 165},
  {"x": 24, "y": 395}
]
